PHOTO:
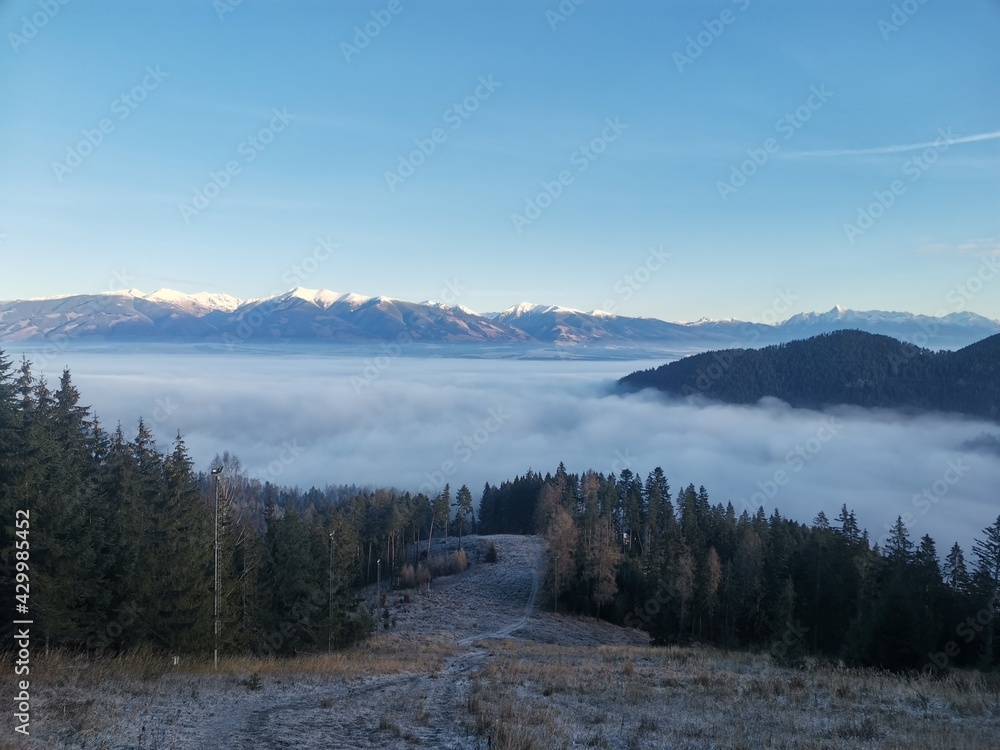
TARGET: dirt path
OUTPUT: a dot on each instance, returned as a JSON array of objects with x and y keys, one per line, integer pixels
[
  {"x": 508, "y": 630},
  {"x": 409, "y": 709}
]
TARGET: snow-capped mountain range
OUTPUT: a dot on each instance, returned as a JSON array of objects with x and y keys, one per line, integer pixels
[{"x": 321, "y": 315}]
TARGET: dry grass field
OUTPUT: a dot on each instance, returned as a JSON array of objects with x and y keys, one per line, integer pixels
[
  {"x": 476, "y": 663},
  {"x": 540, "y": 696}
]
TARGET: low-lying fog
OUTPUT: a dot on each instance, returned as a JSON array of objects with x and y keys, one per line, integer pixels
[{"x": 415, "y": 423}]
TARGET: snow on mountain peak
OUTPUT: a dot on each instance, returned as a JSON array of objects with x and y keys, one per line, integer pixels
[
  {"x": 453, "y": 308},
  {"x": 530, "y": 308},
  {"x": 704, "y": 321},
  {"x": 198, "y": 303},
  {"x": 167, "y": 295},
  {"x": 350, "y": 298},
  {"x": 112, "y": 293},
  {"x": 320, "y": 297},
  {"x": 223, "y": 302},
  {"x": 522, "y": 308},
  {"x": 325, "y": 299},
  {"x": 300, "y": 292}
]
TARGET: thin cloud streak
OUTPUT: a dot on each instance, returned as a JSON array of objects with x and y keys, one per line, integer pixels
[{"x": 901, "y": 148}]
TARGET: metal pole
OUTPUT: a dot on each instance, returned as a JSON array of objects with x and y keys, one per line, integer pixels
[
  {"x": 218, "y": 595},
  {"x": 378, "y": 592},
  {"x": 217, "y": 572},
  {"x": 329, "y": 639}
]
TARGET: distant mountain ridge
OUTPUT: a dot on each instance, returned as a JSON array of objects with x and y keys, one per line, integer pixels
[
  {"x": 841, "y": 367},
  {"x": 321, "y": 315}
]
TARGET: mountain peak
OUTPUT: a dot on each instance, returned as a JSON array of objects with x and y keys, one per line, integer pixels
[
  {"x": 167, "y": 295},
  {"x": 453, "y": 308},
  {"x": 200, "y": 302},
  {"x": 522, "y": 308},
  {"x": 319, "y": 297},
  {"x": 223, "y": 302},
  {"x": 197, "y": 304},
  {"x": 531, "y": 308}
]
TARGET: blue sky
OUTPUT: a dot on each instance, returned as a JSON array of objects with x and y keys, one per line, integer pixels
[{"x": 822, "y": 96}]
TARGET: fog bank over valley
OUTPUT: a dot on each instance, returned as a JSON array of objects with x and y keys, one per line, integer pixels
[{"x": 420, "y": 422}]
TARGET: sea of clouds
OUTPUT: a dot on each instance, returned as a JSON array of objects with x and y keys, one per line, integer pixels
[{"x": 318, "y": 418}]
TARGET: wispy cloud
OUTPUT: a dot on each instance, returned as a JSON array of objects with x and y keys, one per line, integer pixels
[
  {"x": 896, "y": 149},
  {"x": 985, "y": 246}
]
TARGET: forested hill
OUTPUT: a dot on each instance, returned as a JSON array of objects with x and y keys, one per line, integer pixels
[{"x": 843, "y": 367}]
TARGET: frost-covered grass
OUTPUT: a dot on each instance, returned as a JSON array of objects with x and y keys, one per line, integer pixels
[
  {"x": 136, "y": 699},
  {"x": 390, "y": 654},
  {"x": 642, "y": 697}
]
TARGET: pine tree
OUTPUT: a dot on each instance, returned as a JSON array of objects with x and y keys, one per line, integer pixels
[
  {"x": 441, "y": 512},
  {"x": 987, "y": 554},
  {"x": 51, "y": 485},
  {"x": 128, "y": 485},
  {"x": 956, "y": 574},
  {"x": 683, "y": 575},
  {"x": 180, "y": 557},
  {"x": 463, "y": 505},
  {"x": 294, "y": 586},
  {"x": 899, "y": 548},
  {"x": 487, "y": 510},
  {"x": 848, "y": 525},
  {"x": 8, "y": 431},
  {"x": 11, "y": 460},
  {"x": 70, "y": 588},
  {"x": 346, "y": 572}
]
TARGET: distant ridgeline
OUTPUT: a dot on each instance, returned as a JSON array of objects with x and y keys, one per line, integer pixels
[{"x": 843, "y": 367}]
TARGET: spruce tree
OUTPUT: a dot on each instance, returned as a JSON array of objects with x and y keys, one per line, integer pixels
[
  {"x": 463, "y": 504},
  {"x": 987, "y": 554},
  {"x": 180, "y": 557}
]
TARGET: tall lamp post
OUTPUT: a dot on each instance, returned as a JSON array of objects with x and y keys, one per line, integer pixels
[
  {"x": 329, "y": 639},
  {"x": 378, "y": 592},
  {"x": 216, "y": 472}
]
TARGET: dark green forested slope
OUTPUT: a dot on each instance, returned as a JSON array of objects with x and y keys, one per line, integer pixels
[
  {"x": 843, "y": 367},
  {"x": 115, "y": 549},
  {"x": 686, "y": 568}
]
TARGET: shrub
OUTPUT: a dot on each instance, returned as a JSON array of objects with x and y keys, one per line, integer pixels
[
  {"x": 407, "y": 577},
  {"x": 423, "y": 575},
  {"x": 491, "y": 552},
  {"x": 437, "y": 567},
  {"x": 459, "y": 562}
]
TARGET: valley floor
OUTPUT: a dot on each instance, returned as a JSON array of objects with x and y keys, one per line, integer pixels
[{"x": 478, "y": 662}]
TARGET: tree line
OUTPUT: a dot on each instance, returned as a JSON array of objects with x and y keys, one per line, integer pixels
[
  {"x": 122, "y": 537},
  {"x": 686, "y": 570}
]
